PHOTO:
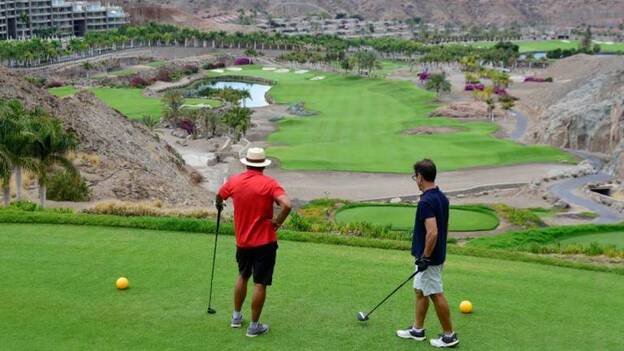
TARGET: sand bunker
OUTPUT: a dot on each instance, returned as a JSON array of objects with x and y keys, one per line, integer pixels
[
  {"x": 269, "y": 68},
  {"x": 217, "y": 70},
  {"x": 318, "y": 78},
  {"x": 234, "y": 69},
  {"x": 282, "y": 70},
  {"x": 301, "y": 71},
  {"x": 565, "y": 41},
  {"x": 432, "y": 130}
]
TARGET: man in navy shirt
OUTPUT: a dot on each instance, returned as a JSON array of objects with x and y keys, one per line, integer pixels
[{"x": 429, "y": 248}]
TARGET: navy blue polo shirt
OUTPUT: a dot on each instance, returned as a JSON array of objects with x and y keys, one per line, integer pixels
[{"x": 433, "y": 203}]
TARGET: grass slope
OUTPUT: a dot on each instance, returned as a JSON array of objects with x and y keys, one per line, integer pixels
[
  {"x": 130, "y": 101},
  {"x": 361, "y": 123},
  {"x": 402, "y": 218},
  {"x": 59, "y": 293},
  {"x": 549, "y": 45},
  {"x": 616, "y": 239}
]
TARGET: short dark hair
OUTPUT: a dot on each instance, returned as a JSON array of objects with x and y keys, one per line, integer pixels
[
  {"x": 250, "y": 168},
  {"x": 427, "y": 169}
]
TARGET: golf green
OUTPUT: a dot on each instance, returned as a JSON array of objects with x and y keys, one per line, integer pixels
[
  {"x": 362, "y": 124},
  {"x": 402, "y": 218},
  {"x": 58, "y": 292},
  {"x": 131, "y": 102},
  {"x": 616, "y": 239}
]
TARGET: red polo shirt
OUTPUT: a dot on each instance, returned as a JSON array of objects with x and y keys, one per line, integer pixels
[{"x": 253, "y": 194}]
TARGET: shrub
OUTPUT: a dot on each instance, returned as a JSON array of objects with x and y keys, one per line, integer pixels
[
  {"x": 423, "y": 76},
  {"x": 23, "y": 205},
  {"x": 298, "y": 223},
  {"x": 36, "y": 81},
  {"x": 138, "y": 82},
  {"x": 473, "y": 87},
  {"x": 215, "y": 65},
  {"x": 190, "y": 69},
  {"x": 64, "y": 186},
  {"x": 145, "y": 209},
  {"x": 521, "y": 217},
  {"x": 164, "y": 75},
  {"x": 54, "y": 84}
]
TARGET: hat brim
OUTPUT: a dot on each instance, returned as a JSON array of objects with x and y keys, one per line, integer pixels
[{"x": 266, "y": 163}]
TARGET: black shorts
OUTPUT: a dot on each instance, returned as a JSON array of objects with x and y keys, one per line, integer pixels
[{"x": 258, "y": 261}]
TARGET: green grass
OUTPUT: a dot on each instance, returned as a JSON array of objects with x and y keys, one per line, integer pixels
[
  {"x": 549, "y": 45},
  {"x": 130, "y": 101},
  {"x": 402, "y": 217},
  {"x": 616, "y": 239},
  {"x": 59, "y": 290},
  {"x": 361, "y": 125}
]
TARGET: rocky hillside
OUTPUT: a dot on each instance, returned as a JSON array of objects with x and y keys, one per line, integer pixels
[
  {"x": 120, "y": 159},
  {"x": 585, "y": 109},
  {"x": 525, "y": 12}
]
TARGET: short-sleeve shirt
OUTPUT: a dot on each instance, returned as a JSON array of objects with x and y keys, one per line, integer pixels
[
  {"x": 253, "y": 194},
  {"x": 433, "y": 204}
]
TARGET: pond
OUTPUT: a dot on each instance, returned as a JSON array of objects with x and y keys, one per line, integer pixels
[{"x": 257, "y": 92}]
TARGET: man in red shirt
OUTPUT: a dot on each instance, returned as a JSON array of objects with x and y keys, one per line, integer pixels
[{"x": 253, "y": 195}]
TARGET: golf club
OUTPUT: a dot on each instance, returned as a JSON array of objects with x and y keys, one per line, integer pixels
[
  {"x": 214, "y": 256},
  {"x": 362, "y": 317}
]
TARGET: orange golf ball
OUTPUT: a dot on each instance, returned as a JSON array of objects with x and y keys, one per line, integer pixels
[
  {"x": 465, "y": 306},
  {"x": 122, "y": 283}
]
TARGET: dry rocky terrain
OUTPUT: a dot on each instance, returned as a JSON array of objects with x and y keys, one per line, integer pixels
[
  {"x": 500, "y": 12},
  {"x": 120, "y": 159},
  {"x": 583, "y": 109}
]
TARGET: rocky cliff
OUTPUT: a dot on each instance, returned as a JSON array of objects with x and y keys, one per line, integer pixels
[
  {"x": 584, "y": 111},
  {"x": 120, "y": 159}
]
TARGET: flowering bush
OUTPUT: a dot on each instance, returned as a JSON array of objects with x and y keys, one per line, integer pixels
[
  {"x": 138, "y": 82},
  {"x": 424, "y": 76},
  {"x": 533, "y": 79},
  {"x": 243, "y": 61},
  {"x": 187, "y": 125},
  {"x": 473, "y": 87},
  {"x": 500, "y": 91}
]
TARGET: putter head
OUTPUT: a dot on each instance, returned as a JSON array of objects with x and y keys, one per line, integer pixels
[
  {"x": 211, "y": 310},
  {"x": 362, "y": 317}
]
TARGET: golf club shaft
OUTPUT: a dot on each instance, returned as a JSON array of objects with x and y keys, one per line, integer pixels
[
  {"x": 214, "y": 257},
  {"x": 392, "y": 293}
]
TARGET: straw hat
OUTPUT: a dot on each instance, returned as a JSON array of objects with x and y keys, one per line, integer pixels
[{"x": 256, "y": 157}]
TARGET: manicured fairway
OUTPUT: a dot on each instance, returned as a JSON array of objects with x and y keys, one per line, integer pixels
[
  {"x": 58, "y": 293},
  {"x": 549, "y": 45},
  {"x": 616, "y": 239},
  {"x": 130, "y": 101},
  {"x": 402, "y": 218},
  {"x": 361, "y": 128}
]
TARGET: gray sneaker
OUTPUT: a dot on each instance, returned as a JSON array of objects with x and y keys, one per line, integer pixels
[
  {"x": 259, "y": 329},
  {"x": 237, "y": 322}
]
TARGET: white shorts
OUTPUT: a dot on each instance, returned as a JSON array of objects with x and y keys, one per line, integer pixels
[{"x": 429, "y": 281}]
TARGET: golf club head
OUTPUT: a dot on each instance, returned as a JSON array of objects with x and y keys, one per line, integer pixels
[
  {"x": 211, "y": 310},
  {"x": 362, "y": 317}
]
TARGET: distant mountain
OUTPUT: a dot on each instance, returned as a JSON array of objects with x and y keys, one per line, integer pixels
[{"x": 500, "y": 12}]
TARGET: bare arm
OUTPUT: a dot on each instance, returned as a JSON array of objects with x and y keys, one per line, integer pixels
[
  {"x": 432, "y": 236},
  {"x": 284, "y": 202}
]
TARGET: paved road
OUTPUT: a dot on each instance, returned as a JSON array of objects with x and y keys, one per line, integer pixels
[{"x": 522, "y": 124}]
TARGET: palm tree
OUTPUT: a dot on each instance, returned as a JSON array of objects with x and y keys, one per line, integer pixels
[
  {"x": 50, "y": 148},
  {"x": 173, "y": 102},
  {"x": 438, "y": 83}
]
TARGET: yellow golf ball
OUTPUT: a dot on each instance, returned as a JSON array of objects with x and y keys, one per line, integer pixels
[
  {"x": 122, "y": 283},
  {"x": 465, "y": 306}
]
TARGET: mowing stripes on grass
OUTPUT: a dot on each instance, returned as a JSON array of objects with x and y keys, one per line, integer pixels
[
  {"x": 361, "y": 127},
  {"x": 402, "y": 217},
  {"x": 62, "y": 293}
]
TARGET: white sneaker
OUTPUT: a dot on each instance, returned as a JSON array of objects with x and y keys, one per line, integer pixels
[
  {"x": 445, "y": 341},
  {"x": 410, "y": 333}
]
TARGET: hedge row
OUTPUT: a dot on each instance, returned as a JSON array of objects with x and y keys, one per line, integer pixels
[{"x": 208, "y": 227}]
